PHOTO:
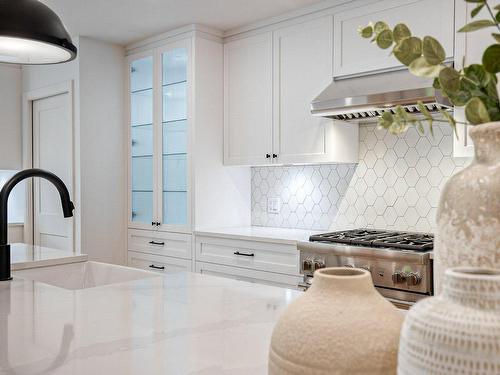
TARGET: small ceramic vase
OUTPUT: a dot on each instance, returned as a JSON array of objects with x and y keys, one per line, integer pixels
[
  {"x": 341, "y": 325},
  {"x": 457, "y": 332}
]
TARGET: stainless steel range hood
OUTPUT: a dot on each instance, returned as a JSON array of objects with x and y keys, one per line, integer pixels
[{"x": 365, "y": 98}]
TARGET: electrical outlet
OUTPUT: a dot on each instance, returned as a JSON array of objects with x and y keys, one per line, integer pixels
[{"x": 273, "y": 205}]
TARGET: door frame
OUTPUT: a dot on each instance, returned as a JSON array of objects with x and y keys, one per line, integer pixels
[{"x": 66, "y": 87}]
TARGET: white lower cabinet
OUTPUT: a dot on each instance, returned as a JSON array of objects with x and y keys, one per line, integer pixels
[
  {"x": 163, "y": 252},
  {"x": 248, "y": 275},
  {"x": 255, "y": 261},
  {"x": 158, "y": 263}
]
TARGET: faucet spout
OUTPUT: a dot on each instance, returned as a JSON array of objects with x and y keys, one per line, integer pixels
[{"x": 67, "y": 207}]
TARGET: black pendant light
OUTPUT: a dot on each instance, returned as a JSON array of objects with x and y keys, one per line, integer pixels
[{"x": 31, "y": 33}]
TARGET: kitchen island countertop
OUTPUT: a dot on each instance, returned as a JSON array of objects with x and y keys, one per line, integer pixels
[
  {"x": 183, "y": 323},
  {"x": 24, "y": 256}
]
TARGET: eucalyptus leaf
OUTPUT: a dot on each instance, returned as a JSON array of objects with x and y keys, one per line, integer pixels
[
  {"x": 451, "y": 120},
  {"x": 384, "y": 39},
  {"x": 400, "y": 32},
  {"x": 459, "y": 98},
  {"x": 476, "y": 112},
  {"x": 478, "y": 74},
  {"x": 366, "y": 32},
  {"x": 476, "y": 10},
  {"x": 408, "y": 50},
  {"x": 449, "y": 80},
  {"x": 423, "y": 109},
  {"x": 476, "y": 25},
  {"x": 491, "y": 59},
  {"x": 421, "y": 68},
  {"x": 436, "y": 84},
  {"x": 497, "y": 7},
  {"x": 497, "y": 17},
  {"x": 474, "y": 1},
  {"x": 496, "y": 36},
  {"x": 380, "y": 26},
  {"x": 433, "y": 51}
]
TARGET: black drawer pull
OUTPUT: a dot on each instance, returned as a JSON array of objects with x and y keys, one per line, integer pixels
[
  {"x": 157, "y": 243},
  {"x": 157, "y": 267},
  {"x": 244, "y": 254}
]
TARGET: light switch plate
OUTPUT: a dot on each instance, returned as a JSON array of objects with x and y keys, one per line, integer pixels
[{"x": 273, "y": 205}]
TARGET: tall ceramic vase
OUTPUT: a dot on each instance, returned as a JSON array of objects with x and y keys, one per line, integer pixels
[
  {"x": 457, "y": 332},
  {"x": 341, "y": 325},
  {"x": 468, "y": 219}
]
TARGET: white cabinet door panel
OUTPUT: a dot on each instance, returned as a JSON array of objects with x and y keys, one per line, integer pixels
[
  {"x": 248, "y": 98},
  {"x": 303, "y": 68},
  {"x": 355, "y": 55}
]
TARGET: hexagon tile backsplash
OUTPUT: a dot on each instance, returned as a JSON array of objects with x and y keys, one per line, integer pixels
[{"x": 395, "y": 185}]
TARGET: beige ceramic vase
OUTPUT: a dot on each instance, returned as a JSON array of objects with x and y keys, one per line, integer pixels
[
  {"x": 468, "y": 219},
  {"x": 457, "y": 332},
  {"x": 341, "y": 325}
]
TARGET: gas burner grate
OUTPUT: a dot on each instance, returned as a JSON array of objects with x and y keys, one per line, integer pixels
[{"x": 379, "y": 238}]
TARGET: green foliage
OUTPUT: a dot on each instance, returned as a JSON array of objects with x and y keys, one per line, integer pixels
[{"x": 473, "y": 87}]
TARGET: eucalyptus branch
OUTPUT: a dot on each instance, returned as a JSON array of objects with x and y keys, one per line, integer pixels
[{"x": 492, "y": 14}]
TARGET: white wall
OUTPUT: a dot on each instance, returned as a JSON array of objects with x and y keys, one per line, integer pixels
[
  {"x": 10, "y": 117},
  {"x": 102, "y": 150},
  {"x": 222, "y": 194},
  {"x": 98, "y": 77}
]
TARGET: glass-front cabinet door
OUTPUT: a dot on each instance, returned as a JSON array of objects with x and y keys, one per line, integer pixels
[
  {"x": 159, "y": 153},
  {"x": 174, "y": 136},
  {"x": 142, "y": 145}
]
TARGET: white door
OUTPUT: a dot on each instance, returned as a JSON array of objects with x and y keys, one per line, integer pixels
[
  {"x": 248, "y": 98},
  {"x": 52, "y": 151}
]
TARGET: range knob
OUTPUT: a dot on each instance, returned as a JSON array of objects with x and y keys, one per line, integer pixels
[
  {"x": 349, "y": 265},
  {"x": 398, "y": 277},
  {"x": 307, "y": 265},
  {"x": 413, "y": 279},
  {"x": 318, "y": 264}
]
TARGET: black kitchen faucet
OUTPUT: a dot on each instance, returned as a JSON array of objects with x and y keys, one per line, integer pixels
[{"x": 67, "y": 207}]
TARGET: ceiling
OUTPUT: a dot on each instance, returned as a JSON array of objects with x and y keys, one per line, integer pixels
[{"x": 127, "y": 21}]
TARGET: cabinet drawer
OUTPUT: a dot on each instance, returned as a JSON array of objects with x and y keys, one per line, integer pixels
[
  {"x": 252, "y": 276},
  {"x": 158, "y": 263},
  {"x": 263, "y": 256},
  {"x": 161, "y": 243}
]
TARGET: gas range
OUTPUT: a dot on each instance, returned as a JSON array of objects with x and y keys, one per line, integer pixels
[{"x": 400, "y": 262}]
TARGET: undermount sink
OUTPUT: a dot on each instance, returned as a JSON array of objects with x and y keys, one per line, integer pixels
[{"x": 83, "y": 275}]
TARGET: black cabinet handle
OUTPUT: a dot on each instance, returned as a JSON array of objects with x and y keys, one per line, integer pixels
[
  {"x": 268, "y": 156},
  {"x": 275, "y": 156},
  {"x": 157, "y": 267},
  {"x": 244, "y": 254},
  {"x": 158, "y": 223},
  {"x": 157, "y": 243}
]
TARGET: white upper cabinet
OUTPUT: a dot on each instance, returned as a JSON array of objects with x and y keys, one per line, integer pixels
[
  {"x": 270, "y": 81},
  {"x": 248, "y": 100},
  {"x": 354, "y": 55},
  {"x": 303, "y": 68}
]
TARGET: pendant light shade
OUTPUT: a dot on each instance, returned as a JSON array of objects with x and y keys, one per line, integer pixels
[{"x": 31, "y": 33}]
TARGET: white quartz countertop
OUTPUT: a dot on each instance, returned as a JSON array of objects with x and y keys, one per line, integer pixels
[
  {"x": 24, "y": 256},
  {"x": 279, "y": 235},
  {"x": 184, "y": 323}
]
